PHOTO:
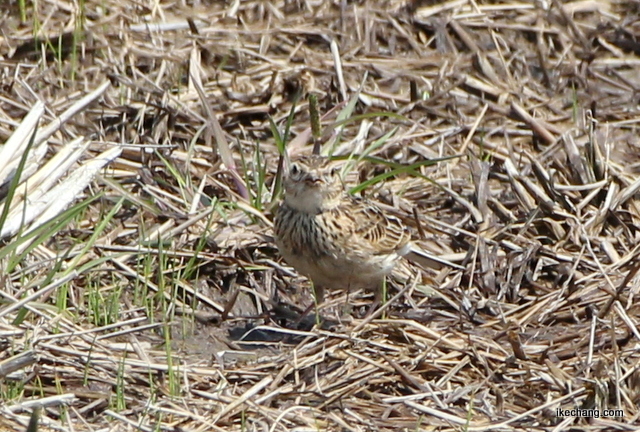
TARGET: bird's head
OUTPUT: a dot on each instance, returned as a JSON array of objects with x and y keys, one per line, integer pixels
[{"x": 312, "y": 184}]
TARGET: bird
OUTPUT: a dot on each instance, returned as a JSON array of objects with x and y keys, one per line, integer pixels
[{"x": 336, "y": 239}]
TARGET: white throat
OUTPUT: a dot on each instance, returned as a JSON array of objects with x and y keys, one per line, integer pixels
[{"x": 309, "y": 201}]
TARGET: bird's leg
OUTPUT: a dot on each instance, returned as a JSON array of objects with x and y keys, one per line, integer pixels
[
  {"x": 318, "y": 297},
  {"x": 347, "y": 308},
  {"x": 379, "y": 298}
]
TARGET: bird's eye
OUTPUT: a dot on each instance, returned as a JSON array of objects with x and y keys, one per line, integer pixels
[
  {"x": 295, "y": 170},
  {"x": 335, "y": 171}
]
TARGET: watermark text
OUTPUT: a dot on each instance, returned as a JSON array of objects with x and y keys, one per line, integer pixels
[{"x": 593, "y": 413}]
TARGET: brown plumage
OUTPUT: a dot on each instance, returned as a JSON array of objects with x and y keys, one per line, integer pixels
[{"x": 337, "y": 240}]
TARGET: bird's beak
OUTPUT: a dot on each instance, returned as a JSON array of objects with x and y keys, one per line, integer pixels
[{"x": 313, "y": 181}]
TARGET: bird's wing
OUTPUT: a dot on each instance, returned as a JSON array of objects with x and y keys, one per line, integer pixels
[{"x": 367, "y": 228}]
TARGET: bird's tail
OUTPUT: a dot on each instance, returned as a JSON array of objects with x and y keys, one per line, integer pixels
[{"x": 428, "y": 260}]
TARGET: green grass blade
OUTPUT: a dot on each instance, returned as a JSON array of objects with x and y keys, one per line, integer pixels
[
  {"x": 396, "y": 170},
  {"x": 15, "y": 181}
]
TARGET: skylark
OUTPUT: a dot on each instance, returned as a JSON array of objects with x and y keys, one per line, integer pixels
[{"x": 338, "y": 240}]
